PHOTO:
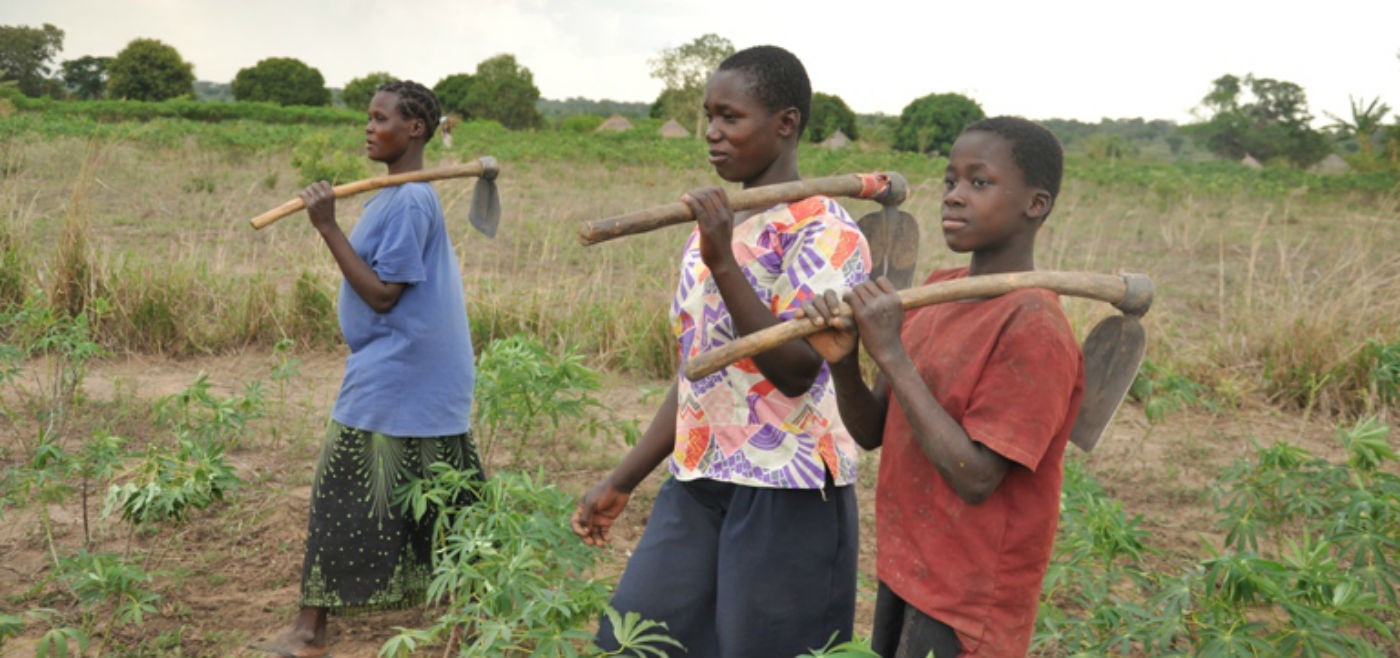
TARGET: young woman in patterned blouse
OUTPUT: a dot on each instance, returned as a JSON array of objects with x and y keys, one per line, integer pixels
[{"x": 750, "y": 549}]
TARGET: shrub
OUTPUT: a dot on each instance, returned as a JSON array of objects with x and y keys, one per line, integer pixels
[
  {"x": 281, "y": 80},
  {"x": 931, "y": 123}
]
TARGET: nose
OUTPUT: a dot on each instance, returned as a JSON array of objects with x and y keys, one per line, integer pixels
[
  {"x": 712, "y": 133},
  {"x": 953, "y": 196}
]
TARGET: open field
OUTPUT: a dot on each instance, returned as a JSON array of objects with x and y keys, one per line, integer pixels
[{"x": 1277, "y": 305}]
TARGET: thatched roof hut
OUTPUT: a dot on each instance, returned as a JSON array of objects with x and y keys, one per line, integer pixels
[
  {"x": 615, "y": 123},
  {"x": 837, "y": 140},
  {"x": 672, "y": 129},
  {"x": 1249, "y": 161},
  {"x": 1332, "y": 164}
]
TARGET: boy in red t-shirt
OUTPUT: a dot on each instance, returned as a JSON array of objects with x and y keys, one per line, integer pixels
[{"x": 984, "y": 395}]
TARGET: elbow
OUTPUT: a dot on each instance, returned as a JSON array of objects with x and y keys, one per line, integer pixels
[
  {"x": 975, "y": 490},
  {"x": 794, "y": 387},
  {"x": 383, "y": 304}
]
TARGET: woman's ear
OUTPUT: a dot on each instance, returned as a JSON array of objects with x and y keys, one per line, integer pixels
[{"x": 417, "y": 129}]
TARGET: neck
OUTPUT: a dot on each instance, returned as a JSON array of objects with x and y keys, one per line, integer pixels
[
  {"x": 1014, "y": 257},
  {"x": 782, "y": 170},
  {"x": 411, "y": 160}
]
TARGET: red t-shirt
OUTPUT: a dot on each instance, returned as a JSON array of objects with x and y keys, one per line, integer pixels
[{"x": 1008, "y": 370}]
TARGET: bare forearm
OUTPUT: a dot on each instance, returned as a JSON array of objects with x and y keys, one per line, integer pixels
[
  {"x": 656, "y": 444},
  {"x": 969, "y": 467},
  {"x": 862, "y": 410},
  {"x": 792, "y": 366},
  {"x": 379, "y": 295}
]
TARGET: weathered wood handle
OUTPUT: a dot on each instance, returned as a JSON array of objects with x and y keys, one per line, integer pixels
[
  {"x": 1130, "y": 293},
  {"x": 889, "y": 188},
  {"x": 485, "y": 167}
]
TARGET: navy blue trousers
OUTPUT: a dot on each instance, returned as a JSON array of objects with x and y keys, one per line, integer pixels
[{"x": 741, "y": 572}]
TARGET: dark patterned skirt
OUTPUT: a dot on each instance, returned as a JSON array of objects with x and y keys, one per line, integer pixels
[{"x": 362, "y": 552}]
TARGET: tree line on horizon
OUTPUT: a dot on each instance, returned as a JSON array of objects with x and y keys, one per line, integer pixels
[{"x": 1247, "y": 116}]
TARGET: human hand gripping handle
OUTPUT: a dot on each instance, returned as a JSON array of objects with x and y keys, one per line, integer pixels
[
  {"x": 878, "y": 312},
  {"x": 319, "y": 198},
  {"x": 715, "y": 219},
  {"x": 597, "y": 511},
  {"x": 838, "y": 341}
]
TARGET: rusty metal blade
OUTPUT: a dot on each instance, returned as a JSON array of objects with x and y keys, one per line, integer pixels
[
  {"x": 1112, "y": 354},
  {"x": 893, "y": 236}
]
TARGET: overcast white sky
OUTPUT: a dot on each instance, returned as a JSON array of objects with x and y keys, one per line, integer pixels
[{"x": 1081, "y": 59}]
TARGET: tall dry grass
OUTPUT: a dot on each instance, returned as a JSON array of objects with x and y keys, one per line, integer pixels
[{"x": 1272, "y": 298}]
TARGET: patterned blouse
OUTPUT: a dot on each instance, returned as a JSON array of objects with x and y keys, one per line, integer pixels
[{"x": 735, "y": 425}]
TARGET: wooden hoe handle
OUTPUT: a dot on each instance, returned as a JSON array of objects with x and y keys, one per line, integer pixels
[
  {"x": 485, "y": 167},
  {"x": 1130, "y": 293},
  {"x": 888, "y": 188}
]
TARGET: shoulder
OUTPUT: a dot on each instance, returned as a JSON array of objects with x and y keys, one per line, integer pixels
[
  {"x": 420, "y": 194},
  {"x": 1035, "y": 318},
  {"x": 820, "y": 208}
]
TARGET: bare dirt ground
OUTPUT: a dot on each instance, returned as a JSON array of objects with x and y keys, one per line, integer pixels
[{"x": 230, "y": 574}]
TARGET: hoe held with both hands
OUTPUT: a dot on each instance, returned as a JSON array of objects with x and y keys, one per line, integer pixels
[
  {"x": 1113, "y": 350},
  {"x": 485, "y": 213}
]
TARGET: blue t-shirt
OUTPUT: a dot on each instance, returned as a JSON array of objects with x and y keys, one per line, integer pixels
[{"x": 410, "y": 371}]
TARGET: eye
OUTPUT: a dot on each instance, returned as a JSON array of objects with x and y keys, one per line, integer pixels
[
  {"x": 948, "y": 183},
  {"x": 979, "y": 183}
]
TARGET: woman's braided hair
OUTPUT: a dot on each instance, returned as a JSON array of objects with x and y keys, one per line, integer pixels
[{"x": 416, "y": 102}]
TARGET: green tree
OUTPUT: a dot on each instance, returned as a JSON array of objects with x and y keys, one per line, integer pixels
[
  {"x": 360, "y": 91},
  {"x": 281, "y": 80},
  {"x": 26, "y": 54},
  {"x": 1365, "y": 121},
  {"x": 1270, "y": 121},
  {"x": 931, "y": 123},
  {"x": 149, "y": 70},
  {"x": 86, "y": 77},
  {"x": 505, "y": 91},
  {"x": 684, "y": 70},
  {"x": 830, "y": 114},
  {"x": 452, "y": 92}
]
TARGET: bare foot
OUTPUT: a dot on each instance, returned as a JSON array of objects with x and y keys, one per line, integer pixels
[{"x": 295, "y": 642}]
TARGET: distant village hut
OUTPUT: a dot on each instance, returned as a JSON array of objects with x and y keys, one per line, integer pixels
[
  {"x": 616, "y": 123},
  {"x": 837, "y": 140},
  {"x": 672, "y": 129},
  {"x": 1332, "y": 164},
  {"x": 1249, "y": 161}
]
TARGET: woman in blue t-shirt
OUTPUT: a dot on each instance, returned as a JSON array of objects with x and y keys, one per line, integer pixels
[{"x": 406, "y": 398}]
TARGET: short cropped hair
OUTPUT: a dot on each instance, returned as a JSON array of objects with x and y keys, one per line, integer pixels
[
  {"x": 1033, "y": 147},
  {"x": 776, "y": 77},
  {"x": 416, "y": 102}
]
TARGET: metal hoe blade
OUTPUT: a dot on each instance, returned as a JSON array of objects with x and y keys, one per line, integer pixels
[
  {"x": 894, "y": 244},
  {"x": 485, "y": 213},
  {"x": 1112, "y": 354}
]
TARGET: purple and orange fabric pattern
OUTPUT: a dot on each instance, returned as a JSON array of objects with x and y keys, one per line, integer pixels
[{"x": 734, "y": 425}]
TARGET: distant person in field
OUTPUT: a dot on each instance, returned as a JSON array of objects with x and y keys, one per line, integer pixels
[
  {"x": 973, "y": 407},
  {"x": 750, "y": 548},
  {"x": 407, "y": 394}
]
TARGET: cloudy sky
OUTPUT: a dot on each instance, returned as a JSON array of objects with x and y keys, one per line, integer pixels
[{"x": 1081, "y": 59}]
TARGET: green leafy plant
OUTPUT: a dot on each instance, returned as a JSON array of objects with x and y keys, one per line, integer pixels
[
  {"x": 1307, "y": 568},
  {"x": 108, "y": 587},
  {"x": 853, "y": 648},
  {"x": 166, "y": 487},
  {"x": 317, "y": 158},
  {"x": 1162, "y": 391},
  {"x": 522, "y": 389},
  {"x": 507, "y": 570},
  {"x": 197, "y": 413}
]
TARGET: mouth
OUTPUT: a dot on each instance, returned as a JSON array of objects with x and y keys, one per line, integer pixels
[
  {"x": 717, "y": 157},
  {"x": 953, "y": 223}
]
